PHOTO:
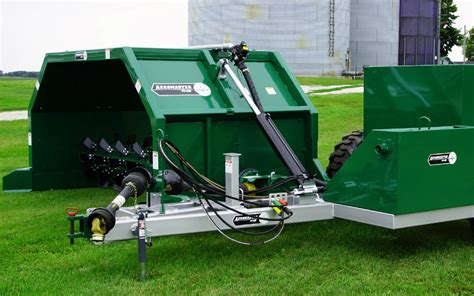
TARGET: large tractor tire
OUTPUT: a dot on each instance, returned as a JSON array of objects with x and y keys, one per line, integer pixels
[{"x": 343, "y": 150}]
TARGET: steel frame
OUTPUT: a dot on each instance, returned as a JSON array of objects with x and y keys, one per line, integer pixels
[
  {"x": 392, "y": 221},
  {"x": 189, "y": 217}
]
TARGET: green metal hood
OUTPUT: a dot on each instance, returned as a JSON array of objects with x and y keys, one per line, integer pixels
[{"x": 133, "y": 94}]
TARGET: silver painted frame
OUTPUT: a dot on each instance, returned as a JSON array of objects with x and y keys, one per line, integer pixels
[
  {"x": 392, "y": 221},
  {"x": 188, "y": 218},
  {"x": 196, "y": 220}
]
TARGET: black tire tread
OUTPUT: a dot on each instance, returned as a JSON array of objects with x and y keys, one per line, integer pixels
[{"x": 343, "y": 150}]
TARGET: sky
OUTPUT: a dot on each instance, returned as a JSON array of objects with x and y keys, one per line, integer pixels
[
  {"x": 466, "y": 18},
  {"x": 29, "y": 29}
]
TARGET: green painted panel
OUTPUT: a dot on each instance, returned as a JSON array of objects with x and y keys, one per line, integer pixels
[
  {"x": 270, "y": 87},
  {"x": 424, "y": 187},
  {"x": 175, "y": 71},
  {"x": 402, "y": 181},
  {"x": 19, "y": 180},
  {"x": 468, "y": 107},
  {"x": 368, "y": 180},
  {"x": 395, "y": 97},
  {"x": 75, "y": 101},
  {"x": 204, "y": 142}
]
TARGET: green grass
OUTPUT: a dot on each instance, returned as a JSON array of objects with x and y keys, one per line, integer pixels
[
  {"x": 15, "y": 93},
  {"x": 329, "y": 257},
  {"x": 325, "y": 81},
  {"x": 338, "y": 116}
]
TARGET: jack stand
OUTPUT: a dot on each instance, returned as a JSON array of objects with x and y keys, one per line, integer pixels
[
  {"x": 141, "y": 235},
  {"x": 71, "y": 212}
]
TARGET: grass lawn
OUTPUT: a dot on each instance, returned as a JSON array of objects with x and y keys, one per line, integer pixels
[
  {"x": 330, "y": 257},
  {"x": 325, "y": 81},
  {"x": 338, "y": 116},
  {"x": 15, "y": 93}
]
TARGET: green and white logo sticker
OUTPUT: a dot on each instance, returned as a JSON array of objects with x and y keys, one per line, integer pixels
[
  {"x": 442, "y": 158},
  {"x": 181, "y": 89}
]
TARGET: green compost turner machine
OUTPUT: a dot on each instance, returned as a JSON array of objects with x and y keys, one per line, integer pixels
[{"x": 220, "y": 137}]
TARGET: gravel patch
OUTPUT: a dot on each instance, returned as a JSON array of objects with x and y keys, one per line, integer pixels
[
  {"x": 13, "y": 115},
  {"x": 353, "y": 90},
  {"x": 310, "y": 88}
]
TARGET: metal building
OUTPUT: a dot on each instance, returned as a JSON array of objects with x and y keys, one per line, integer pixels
[
  {"x": 374, "y": 33},
  {"x": 394, "y": 32},
  {"x": 312, "y": 35},
  {"x": 418, "y": 32},
  {"x": 323, "y": 37}
]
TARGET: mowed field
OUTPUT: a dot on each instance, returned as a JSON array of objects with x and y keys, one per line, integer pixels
[
  {"x": 15, "y": 93},
  {"x": 331, "y": 257}
]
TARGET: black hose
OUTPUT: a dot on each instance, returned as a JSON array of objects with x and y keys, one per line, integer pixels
[
  {"x": 240, "y": 230},
  {"x": 202, "y": 188},
  {"x": 280, "y": 223},
  {"x": 264, "y": 189},
  {"x": 320, "y": 182},
  {"x": 273, "y": 186}
]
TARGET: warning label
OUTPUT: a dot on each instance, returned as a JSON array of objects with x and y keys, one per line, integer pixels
[{"x": 228, "y": 166}]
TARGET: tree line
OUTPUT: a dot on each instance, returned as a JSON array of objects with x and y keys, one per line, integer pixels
[
  {"x": 24, "y": 74},
  {"x": 451, "y": 36}
]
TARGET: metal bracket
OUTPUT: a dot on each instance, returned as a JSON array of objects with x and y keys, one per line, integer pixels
[{"x": 83, "y": 230}]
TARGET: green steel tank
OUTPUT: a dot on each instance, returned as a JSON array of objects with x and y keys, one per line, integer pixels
[{"x": 415, "y": 165}]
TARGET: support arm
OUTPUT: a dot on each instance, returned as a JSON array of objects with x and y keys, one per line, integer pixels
[{"x": 279, "y": 144}]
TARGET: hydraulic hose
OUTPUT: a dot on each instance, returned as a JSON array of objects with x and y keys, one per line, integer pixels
[{"x": 203, "y": 188}]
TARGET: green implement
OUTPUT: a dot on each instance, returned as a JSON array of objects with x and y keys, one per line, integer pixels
[
  {"x": 418, "y": 151},
  {"x": 127, "y": 96}
]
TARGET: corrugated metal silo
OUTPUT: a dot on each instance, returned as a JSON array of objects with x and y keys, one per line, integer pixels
[
  {"x": 374, "y": 32},
  {"x": 418, "y": 32},
  {"x": 312, "y": 35}
]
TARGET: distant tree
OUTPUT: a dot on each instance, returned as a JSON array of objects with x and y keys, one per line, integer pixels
[
  {"x": 21, "y": 74},
  {"x": 470, "y": 45},
  {"x": 449, "y": 35}
]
